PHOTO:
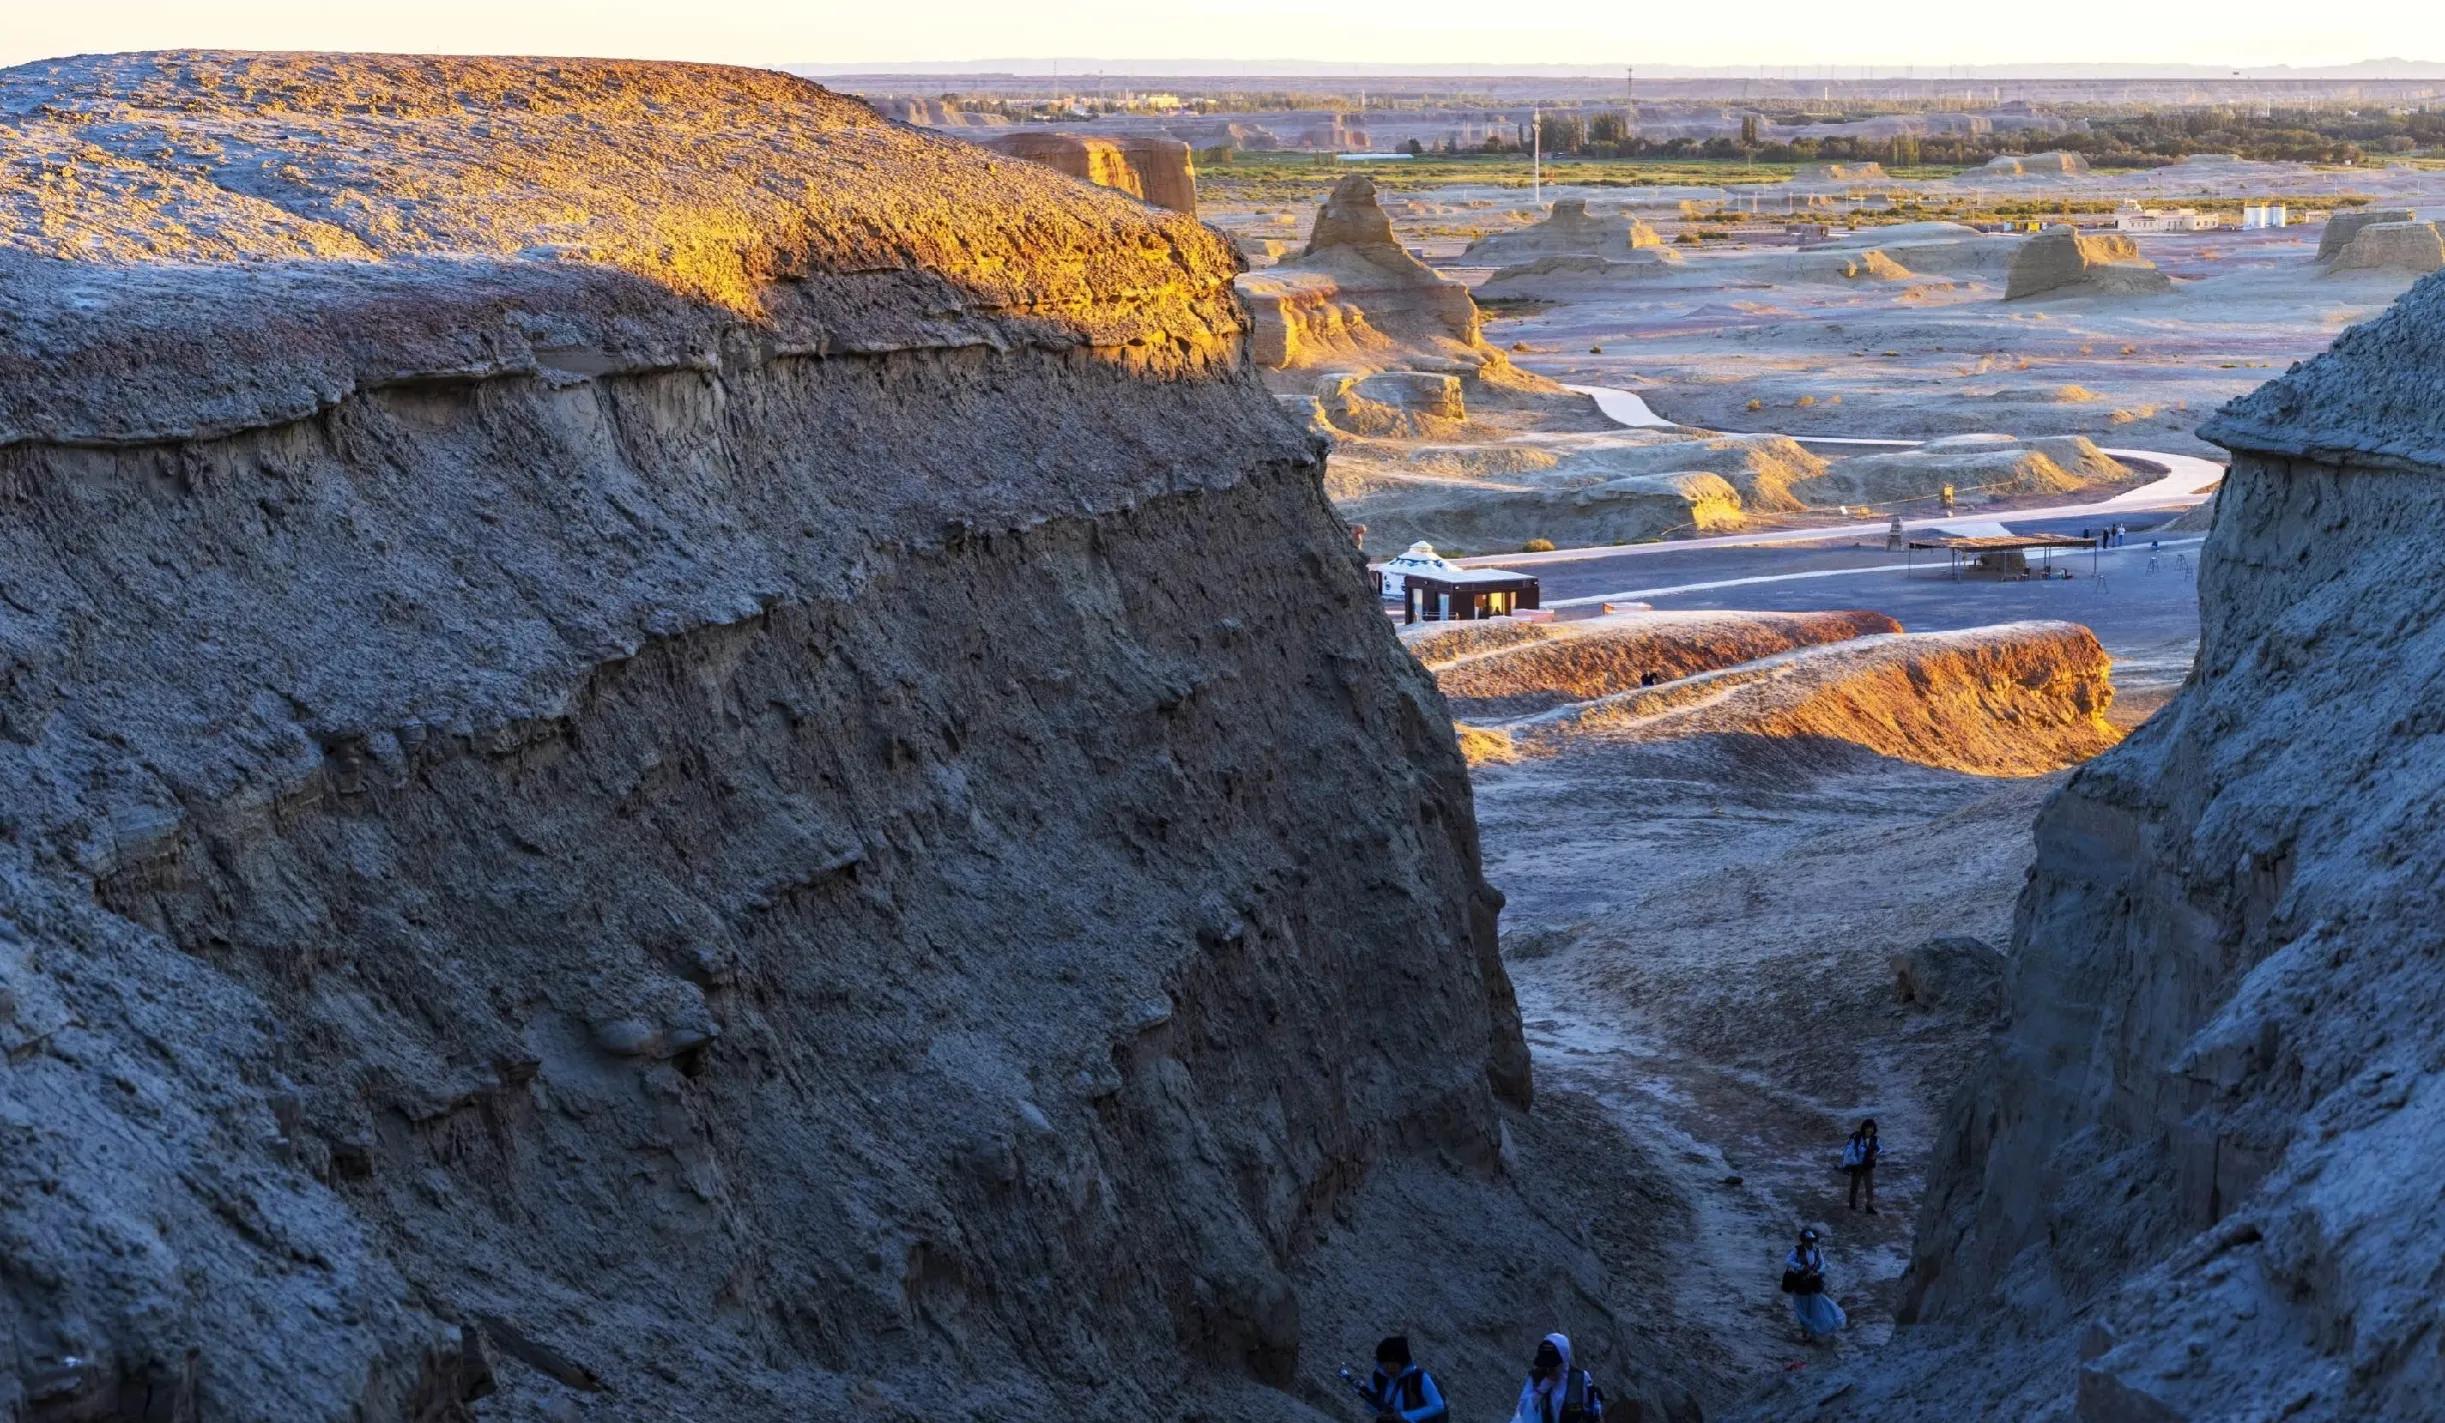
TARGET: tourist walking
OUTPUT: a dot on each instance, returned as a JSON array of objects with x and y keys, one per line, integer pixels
[
  {"x": 1859, "y": 1163},
  {"x": 1804, "y": 1280},
  {"x": 1399, "y": 1390},
  {"x": 1557, "y": 1390}
]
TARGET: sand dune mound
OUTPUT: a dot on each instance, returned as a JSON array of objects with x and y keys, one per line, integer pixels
[
  {"x": 2344, "y": 226},
  {"x": 1977, "y": 466},
  {"x": 2413, "y": 247},
  {"x": 2061, "y": 262},
  {"x": 1585, "y": 660},
  {"x": 1569, "y": 229},
  {"x": 2021, "y": 699}
]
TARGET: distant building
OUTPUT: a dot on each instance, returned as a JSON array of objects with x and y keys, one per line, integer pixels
[
  {"x": 2263, "y": 215},
  {"x": 1432, "y": 588},
  {"x": 2134, "y": 218}
]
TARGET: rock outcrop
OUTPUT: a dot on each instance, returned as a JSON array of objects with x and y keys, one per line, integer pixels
[
  {"x": 1820, "y": 174},
  {"x": 1356, "y": 299},
  {"x": 1568, "y": 229},
  {"x": 2414, "y": 247},
  {"x": 2196, "y": 1179},
  {"x": 2063, "y": 262},
  {"x": 627, "y": 782},
  {"x": 2056, "y": 164},
  {"x": 1158, "y": 170},
  {"x": 2344, "y": 226}
]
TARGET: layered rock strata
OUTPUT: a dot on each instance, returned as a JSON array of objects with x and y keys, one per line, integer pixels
[
  {"x": 1147, "y": 166},
  {"x": 2344, "y": 226},
  {"x": 2064, "y": 262},
  {"x": 625, "y": 782},
  {"x": 2194, "y": 1180}
]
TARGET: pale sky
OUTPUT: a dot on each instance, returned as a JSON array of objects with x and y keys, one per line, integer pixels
[{"x": 1926, "y": 33}]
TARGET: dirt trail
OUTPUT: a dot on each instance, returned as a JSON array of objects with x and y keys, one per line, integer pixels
[{"x": 1702, "y": 910}]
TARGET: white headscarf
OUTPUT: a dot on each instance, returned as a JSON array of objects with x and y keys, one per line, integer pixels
[{"x": 1535, "y": 1393}]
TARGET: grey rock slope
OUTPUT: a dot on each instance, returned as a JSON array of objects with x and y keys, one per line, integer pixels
[
  {"x": 625, "y": 780},
  {"x": 2198, "y": 1179}
]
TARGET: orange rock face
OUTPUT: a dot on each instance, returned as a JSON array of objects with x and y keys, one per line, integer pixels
[{"x": 1145, "y": 166}]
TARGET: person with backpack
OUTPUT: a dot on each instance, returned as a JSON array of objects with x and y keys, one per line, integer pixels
[
  {"x": 1399, "y": 1390},
  {"x": 1804, "y": 1280},
  {"x": 1558, "y": 1391},
  {"x": 1859, "y": 1163}
]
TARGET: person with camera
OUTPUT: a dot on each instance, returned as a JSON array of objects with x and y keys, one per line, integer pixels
[
  {"x": 1399, "y": 1390},
  {"x": 1804, "y": 1280}
]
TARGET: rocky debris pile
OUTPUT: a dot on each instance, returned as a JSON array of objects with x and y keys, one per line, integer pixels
[
  {"x": 1568, "y": 229},
  {"x": 1147, "y": 166},
  {"x": 628, "y": 783},
  {"x": 2062, "y": 262},
  {"x": 2198, "y": 1167},
  {"x": 2347, "y": 224},
  {"x": 2414, "y": 247}
]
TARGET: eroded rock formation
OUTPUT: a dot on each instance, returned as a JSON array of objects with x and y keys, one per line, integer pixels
[
  {"x": 626, "y": 780},
  {"x": 2064, "y": 262},
  {"x": 2416, "y": 247},
  {"x": 1354, "y": 294},
  {"x": 1146, "y": 166},
  {"x": 2053, "y": 164},
  {"x": 2196, "y": 1179},
  {"x": 2344, "y": 226},
  {"x": 1569, "y": 229}
]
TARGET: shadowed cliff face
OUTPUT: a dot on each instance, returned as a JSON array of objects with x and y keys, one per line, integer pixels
[
  {"x": 687, "y": 827},
  {"x": 2197, "y": 1179}
]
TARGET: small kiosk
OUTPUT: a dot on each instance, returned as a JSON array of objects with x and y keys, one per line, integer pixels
[{"x": 1466, "y": 594}]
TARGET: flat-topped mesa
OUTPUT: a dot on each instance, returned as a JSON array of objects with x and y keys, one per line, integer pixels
[
  {"x": 2414, "y": 247},
  {"x": 2062, "y": 262},
  {"x": 625, "y": 772},
  {"x": 1820, "y": 174},
  {"x": 2344, "y": 226},
  {"x": 2199, "y": 1165},
  {"x": 1149, "y": 166},
  {"x": 1570, "y": 228},
  {"x": 2053, "y": 164}
]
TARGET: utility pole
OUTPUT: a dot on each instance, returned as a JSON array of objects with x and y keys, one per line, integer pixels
[
  {"x": 1536, "y": 154},
  {"x": 1629, "y": 103}
]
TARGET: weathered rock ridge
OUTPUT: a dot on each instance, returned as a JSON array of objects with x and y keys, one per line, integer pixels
[
  {"x": 623, "y": 781},
  {"x": 1146, "y": 166},
  {"x": 2196, "y": 1179},
  {"x": 2064, "y": 262}
]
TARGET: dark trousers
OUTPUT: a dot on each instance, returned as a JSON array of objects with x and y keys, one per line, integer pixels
[{"x": 1863, "y": 1178}]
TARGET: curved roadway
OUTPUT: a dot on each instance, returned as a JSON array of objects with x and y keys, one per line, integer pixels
[{"x": 2186, "y": 480}]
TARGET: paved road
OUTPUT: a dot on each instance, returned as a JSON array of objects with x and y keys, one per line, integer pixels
[
  {"x": 2148, "y": 621},
  {"x": 2184, "y": 483}
]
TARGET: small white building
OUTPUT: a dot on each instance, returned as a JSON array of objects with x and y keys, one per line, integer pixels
[
  {"x": 2134, "y": 218},
  {"x": 1421, "y": 558},
  {"x": 2263, "y": 215}
]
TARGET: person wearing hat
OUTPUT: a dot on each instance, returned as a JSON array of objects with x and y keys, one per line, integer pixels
[
  {"x": 1804, "y": 1280},
  {"x": 1400, "y": 1391},
  {"x": 1557, "y": 1391}
]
